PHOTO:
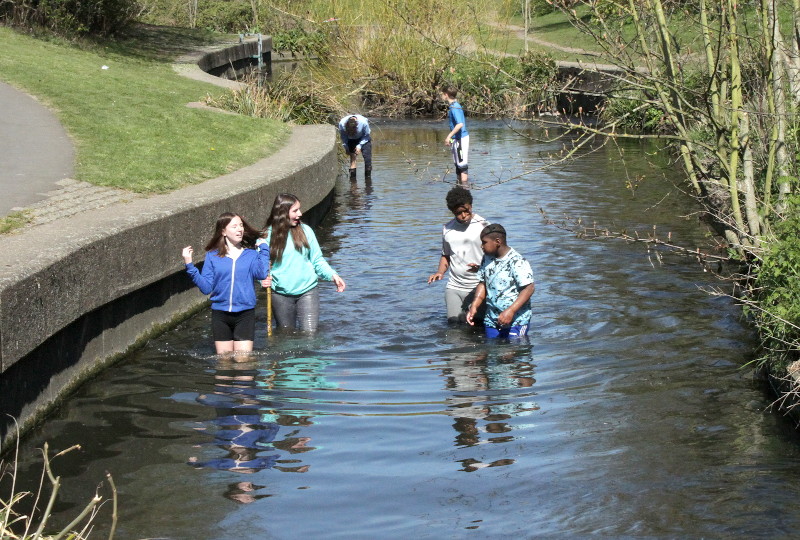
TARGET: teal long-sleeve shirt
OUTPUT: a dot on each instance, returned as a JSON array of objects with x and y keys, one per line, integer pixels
[{"x": 298, "y": 271}]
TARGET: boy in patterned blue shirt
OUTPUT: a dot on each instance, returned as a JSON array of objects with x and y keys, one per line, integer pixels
[{"x": 506, "y": 282}]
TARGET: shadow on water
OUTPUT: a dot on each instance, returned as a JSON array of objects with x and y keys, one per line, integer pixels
[{"x": 626, "y": 414}]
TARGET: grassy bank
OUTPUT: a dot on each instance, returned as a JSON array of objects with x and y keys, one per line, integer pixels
[{"x": 125, "y": 109}]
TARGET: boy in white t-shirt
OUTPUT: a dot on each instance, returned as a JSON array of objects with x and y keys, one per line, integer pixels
[{"x": 461, "y": 254}]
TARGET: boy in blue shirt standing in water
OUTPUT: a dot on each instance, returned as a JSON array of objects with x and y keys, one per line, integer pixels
[
  {"x": 458, "y": 138},
  {"x": 506, "y": 282}
]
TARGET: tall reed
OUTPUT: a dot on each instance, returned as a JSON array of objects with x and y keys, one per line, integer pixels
[{"x": 18, "y": 526}]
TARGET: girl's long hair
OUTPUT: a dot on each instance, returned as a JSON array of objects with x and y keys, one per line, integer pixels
[
  {"x": 279, "y": 221},
  {"x": 218, "y": 241}
]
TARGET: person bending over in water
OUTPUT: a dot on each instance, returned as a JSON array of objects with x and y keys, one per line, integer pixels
[
  {"x": 356, "y": 139},
  {"x": 506, "y": 281},
  {"x": 232, "y": 264},
  {"x": 297, "y": 264}
]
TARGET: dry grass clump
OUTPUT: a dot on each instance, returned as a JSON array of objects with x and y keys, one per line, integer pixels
[{"x": 19, "y": 526}]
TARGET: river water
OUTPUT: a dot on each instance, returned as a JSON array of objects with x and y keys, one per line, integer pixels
[{"x": 626, "y": 414}]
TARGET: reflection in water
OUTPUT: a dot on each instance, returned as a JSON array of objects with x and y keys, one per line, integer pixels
[
  {"x": 626, "y": 415},
  {"x": 485, "y": 394},
  {"x": 251, "y": 407}
]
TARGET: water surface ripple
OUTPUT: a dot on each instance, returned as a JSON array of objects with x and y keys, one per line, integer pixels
[{"x": 626, "y": 415}]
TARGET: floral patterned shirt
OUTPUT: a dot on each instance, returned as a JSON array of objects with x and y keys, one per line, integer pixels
[{"x": 504, "y": 278}]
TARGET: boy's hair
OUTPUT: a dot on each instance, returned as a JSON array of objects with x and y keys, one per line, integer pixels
[
  {"x": 458, "y": 196},
  {"x": 450, "y": 90},
  {"x": 351, "y": 125},
  {"x": 495, "y": 230}
]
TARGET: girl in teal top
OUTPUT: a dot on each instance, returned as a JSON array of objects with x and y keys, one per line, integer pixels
[{"x": 297, "y": 265}]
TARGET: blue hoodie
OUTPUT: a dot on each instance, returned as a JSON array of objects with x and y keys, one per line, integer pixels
[{"x": 229, "y": 282}]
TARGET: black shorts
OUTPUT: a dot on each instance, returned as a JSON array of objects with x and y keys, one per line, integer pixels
[{"x": 233, "y": 326}]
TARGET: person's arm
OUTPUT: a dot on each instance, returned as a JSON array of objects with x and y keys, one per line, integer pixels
[
  {"x": 455, "y": 130},
  {"x": 364, "y": 134},
  {"x": 444, "y": 264},
  {"x": 343, "y": 136},
  {"x": 458, "y": 120},
  {"x": 480, "y": 296},
  {"x": 321, "y": 266},
  {"x": 506, "y": 316},
  {"x": 260, "y": 268},
  {"x": 204, "y": 280},
  {"x": 340, "y": 284}
]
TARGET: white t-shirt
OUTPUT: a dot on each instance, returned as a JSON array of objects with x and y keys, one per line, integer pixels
[{"x": 461, "y": 242}]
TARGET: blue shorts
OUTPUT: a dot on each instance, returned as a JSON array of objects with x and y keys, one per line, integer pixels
[{"x": 511, "y": 332}]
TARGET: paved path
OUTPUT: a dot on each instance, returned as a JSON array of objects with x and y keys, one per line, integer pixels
[
  {"x": 35, "y": 151},
  {"x": 520, "y": 33}
]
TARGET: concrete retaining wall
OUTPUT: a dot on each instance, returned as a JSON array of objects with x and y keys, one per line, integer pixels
[
  {"x": 78, "y": 292},
  {"x": 218, "y": 64}
]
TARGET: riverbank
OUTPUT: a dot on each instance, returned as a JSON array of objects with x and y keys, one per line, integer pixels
[{"x": 78, "y": 292}]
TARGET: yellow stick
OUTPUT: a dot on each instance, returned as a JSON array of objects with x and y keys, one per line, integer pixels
[{"x": 269, "y": 311}]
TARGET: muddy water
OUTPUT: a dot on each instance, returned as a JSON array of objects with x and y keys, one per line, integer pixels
[{"x": 626, "y": 414}]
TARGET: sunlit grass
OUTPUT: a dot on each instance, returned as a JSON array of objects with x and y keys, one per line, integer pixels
[
  {"x": 126, "y": 112},
  {"x": 14, "y": 221}
]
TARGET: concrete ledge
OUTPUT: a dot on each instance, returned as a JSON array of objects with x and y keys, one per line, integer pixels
[
  {"x": 78, "y": 291},
  {"x": 217, "y": 65}
]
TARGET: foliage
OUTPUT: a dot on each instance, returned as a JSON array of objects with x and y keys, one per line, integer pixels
[
  {"x": 377, "y": 52},
  {"x": 632, "y": 113},
  {"x": 777, "y": 290},
  {"x": 70, "y": 17},
  {"x": 297, "y": 41},
  {"x": 224, "y": 16},
  {"x": 511, "y": 86},
  {"x": 640, "y": 111},
  {"x": 721, "y": 82},
  {"x": 282, "y": 98}
]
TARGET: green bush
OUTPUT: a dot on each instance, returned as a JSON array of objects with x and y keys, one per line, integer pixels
[
  {"x": 299, "y": 42},
  {"x": 777, "y": 290},
  {"x": 486, "y": 86},
  {"x": 283, "y": 98},
  {"x": 70, "y": 17},
  {"x": 536, "y": 7},
  {"x": 224, "y": 16},
  {"x": 631, "y": 113}
]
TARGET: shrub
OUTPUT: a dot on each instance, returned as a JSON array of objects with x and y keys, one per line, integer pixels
[
  {"x": 224, "y": 16},
  {"x": 777, "y": 289},
  {"x": 70, "y": 17},
  {"x": 282, "y": 98},
  {"x": 299, "y": 42}
]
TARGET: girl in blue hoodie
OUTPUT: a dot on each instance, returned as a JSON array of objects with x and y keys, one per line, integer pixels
[
  {"x": 297, "y": 265},
  {"x": 232, "y": 264}
]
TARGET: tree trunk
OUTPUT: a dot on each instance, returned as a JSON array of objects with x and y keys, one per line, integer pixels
[
  {"x": 747, "y": 184},
  {"x": 735, "y": 111}
]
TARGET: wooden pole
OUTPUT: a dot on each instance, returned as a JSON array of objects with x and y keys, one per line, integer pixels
[{"x": 269, "y": 311}]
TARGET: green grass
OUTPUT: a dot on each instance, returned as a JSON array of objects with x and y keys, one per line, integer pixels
[
  {"x": 14, "y": 221},
  {"x": 130, "y": 123},
  {"x": 557, "y": 29}
]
